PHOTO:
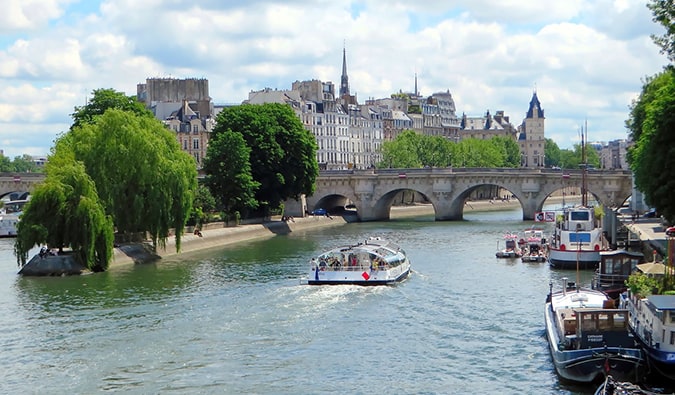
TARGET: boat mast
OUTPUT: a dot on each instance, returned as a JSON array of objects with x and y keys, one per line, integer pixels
[{"x": 584, "y": 198}]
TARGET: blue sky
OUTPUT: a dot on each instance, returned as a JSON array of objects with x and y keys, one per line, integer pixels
[{"x": 586, "y": 60}]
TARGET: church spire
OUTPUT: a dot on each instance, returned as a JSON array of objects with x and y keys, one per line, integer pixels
[
  {"x": 416, "y": 91},
  {"x": 344, "y": 83}
]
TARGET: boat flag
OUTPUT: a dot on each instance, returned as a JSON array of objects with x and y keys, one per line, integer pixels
[{"x": 365, "y": 275}]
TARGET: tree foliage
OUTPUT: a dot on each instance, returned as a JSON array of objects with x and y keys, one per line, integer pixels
[
  {"x": 509, "y": 150},
  {"x": 20, "y": 164},
  {"x": 145, "y": 181},
  {"x": 552, "y": 154},
  {"x": 644, "y": 285},
  {"x": 574, "y": 158},
  {"x": 652, "y": 157},
  {"x": 663, "y": 12},
  {"x": 65, "y": 211},
  {"x": 403, "y": 151},
  {"x": 412, "y": 150},
  {"x": 478, "y": 153},
  {"x": 103, "y": 100},
  {"x": 228, "y": 172},
  {"x": 283, "y": 153}
]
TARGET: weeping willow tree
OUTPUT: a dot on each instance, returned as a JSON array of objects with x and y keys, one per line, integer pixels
[
  {"x": 144, "y": 180},
  {"x": 65, "y": 211}
]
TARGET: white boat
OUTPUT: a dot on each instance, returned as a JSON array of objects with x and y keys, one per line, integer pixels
[
  {"x": 374, "y": 262},
  {"x": 9, "y": 217},
  {"x": 589, "y": 338},
  {"x": 511, "y": 249},
  {"x": 577, "y": 240},
  {"x": 534, "y": 245},
  {"x": 652, "y": 320}
]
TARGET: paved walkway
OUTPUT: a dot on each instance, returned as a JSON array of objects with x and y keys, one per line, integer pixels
[{"x": 649, "y": 230}]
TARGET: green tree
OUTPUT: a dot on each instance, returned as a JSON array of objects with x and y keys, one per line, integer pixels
[
  {"x": 477, "y": 153},
  {"x": 552, "y": 154},
  {"x": 203, "y": 204},
  {"x": 652, "y": 157},
  {"x": 508, "y": 149},
  {"x": 145, "y": 181},
  {"x": 573, "y": 159},
  {"x": 5, "y": 163},
  {"x": 643, "y": 285},
  {"x": 435, "y": 151},
  {"x": 24, "y": 164},
  {"x": 283, "y": 152},
  {"x": 65, "y": 211},
  {"x": 104, "y": 99},
  {"x": 228, "y": 172},
  {"x": 402, "y": 152},
  {"x": 663, "y": 12}
]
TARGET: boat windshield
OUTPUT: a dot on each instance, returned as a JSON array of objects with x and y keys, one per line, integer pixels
[
  {"x": 579, "y": 216},
  {"x": 15, "y": 206}
]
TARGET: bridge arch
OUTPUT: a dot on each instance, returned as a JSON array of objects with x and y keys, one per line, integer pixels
[{"x": 373, "y": 191}]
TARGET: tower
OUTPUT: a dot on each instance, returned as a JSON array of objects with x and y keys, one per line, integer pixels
[
  {"x": 531, "y": 139},
  {"x": 344, "y": 81}
]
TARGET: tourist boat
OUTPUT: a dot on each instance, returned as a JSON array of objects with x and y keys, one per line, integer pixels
[
  {"x": 534, "y": 246},
  {"x": 652, "y": 320},
  {"x": 614, "y": 269},
  {"x": 374, "y": 262},
  {"x": 511, "y": 249},
  {"x": 9, "y": 217},
  {"x": 590, "y": 338},
  {"x": 577, "y": 240},
  {"x": 577, "y": 236}
]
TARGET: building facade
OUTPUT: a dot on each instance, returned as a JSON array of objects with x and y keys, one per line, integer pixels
[
  {"x": 531, "y": 136},
  {"x": 185, "y": 108}
]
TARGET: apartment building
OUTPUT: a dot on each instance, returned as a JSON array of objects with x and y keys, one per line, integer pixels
[{"x": 185, "y": 107}]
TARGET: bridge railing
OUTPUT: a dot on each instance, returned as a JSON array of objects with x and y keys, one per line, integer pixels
[{"x": 447, "y": 170}]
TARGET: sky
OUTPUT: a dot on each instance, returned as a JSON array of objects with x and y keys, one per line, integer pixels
[{"x": 586, "y": 60}]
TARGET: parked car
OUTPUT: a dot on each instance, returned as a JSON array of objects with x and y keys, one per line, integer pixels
[
  {"x": 319, "y": 211},
  {"x": 670, "y": 232},
  {"x": 650, "y": 214}
]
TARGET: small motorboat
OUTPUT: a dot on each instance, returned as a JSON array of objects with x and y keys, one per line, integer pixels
[{"x": 511, "y": 249}]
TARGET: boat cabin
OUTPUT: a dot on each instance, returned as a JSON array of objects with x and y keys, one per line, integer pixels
[
  {"x": 592, "y": 328},
  {"x": 579, "y": 219},
  {"x": 614, "y": 269}
]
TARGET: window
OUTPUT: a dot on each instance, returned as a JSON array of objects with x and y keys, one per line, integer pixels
[
  {"x": 579, "y": 216},
  {"x": 195, "y": 144}
]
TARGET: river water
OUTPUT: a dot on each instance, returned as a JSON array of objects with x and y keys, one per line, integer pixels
[{"x": 240, "y": 321}]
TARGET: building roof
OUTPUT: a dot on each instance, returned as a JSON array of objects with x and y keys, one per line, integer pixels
[
  {"x": 663, "y": 302},
  {"x": 535, "y": 106}
]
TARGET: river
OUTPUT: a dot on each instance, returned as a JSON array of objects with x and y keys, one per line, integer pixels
[{"x": 240, "y": 320}]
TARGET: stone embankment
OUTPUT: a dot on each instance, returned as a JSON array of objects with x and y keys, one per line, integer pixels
[{"x": 216, "y": 235}]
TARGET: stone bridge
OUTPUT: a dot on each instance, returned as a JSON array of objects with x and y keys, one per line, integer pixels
[
  {"x": 447, "y": 189},
  {"x": 17, "y": 185}
]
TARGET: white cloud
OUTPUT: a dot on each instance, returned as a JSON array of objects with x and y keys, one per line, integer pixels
[
  {"x": 26, "y": 15},
  {"x": 585, "y": 59}
]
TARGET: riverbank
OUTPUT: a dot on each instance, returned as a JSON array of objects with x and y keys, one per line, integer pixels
[{"x": 219, "y": 236}]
